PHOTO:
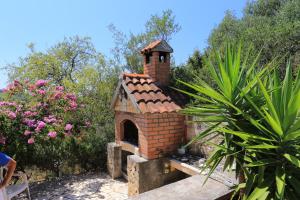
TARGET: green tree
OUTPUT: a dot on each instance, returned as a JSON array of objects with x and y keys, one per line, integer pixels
[
  {"x": 162, "y": 27},
  {"x": 127, "y": 47},
  {"x": 59, "y": 63},
  {"x": 190, "y": 71},
  {"x": 272, "y": 26}
]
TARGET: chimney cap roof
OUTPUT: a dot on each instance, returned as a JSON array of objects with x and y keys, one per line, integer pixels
[{"x": 158, "y": 45}]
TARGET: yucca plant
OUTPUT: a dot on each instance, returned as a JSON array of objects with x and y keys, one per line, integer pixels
[
  {"x": 272, "y": 164},
  {"x": 258, "y": 116},
  {"x": 223, "y": 105}
]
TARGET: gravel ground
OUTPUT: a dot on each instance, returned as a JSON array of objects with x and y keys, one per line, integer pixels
[{"x": 79, "y": 187}]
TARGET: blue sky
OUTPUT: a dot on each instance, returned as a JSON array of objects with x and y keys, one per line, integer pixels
[{"x": 47, "y": 22}]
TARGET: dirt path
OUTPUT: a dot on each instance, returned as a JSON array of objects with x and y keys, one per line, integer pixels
[{"x": 80, "y": 187}]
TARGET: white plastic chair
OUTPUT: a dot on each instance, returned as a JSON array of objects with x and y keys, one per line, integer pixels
[{"x": 13, "y": 190}]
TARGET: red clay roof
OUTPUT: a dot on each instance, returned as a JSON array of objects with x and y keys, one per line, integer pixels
[
  {"x": 151, "y": 98},
  {"x": 151, "y": 45}
]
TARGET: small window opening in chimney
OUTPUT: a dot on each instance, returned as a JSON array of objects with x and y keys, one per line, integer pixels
[
  {"x": 162, "y": 57},
  {"x": 148, "y": 58},
  {"x": 131, "y": 133}
]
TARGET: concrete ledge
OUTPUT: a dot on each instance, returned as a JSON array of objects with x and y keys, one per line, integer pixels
[
  {"x": 191, "y": 188},
  {"x": 190, "y": 170},
  {"x": 130, "y": 148}
]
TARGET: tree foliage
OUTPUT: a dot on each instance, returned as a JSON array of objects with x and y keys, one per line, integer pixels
[
  {"x": 272, "y": 26},
  {"x": 127, "y": 47},
  {"x": 59, "y": 63},
  {"x": 162, "y": 27},
  {"x": 191, "y": 71}
]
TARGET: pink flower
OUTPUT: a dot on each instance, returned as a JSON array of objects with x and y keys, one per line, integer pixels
[
  {"x": 68, "y": 127},
  {"x": 41, "y": 83},
  {"x": 73, "y": 105},
  {"x": 37, "y": 130},
  {"x": 57, "y": 95},
  {"x": 71, "y": 96},
  {"x": 9, "y": 87},
  {"x": 12, "y": 115},
  {"x": 41, "y": 92},
  {"x": 27, "y": 113},
  {"x": 52, "y": 134},
  {"x": 40, "y": 126},
  {"x": 17, "y": 83},
  {"x": 32, "y": 87},
  {"x": 59, "y": 88},
  {"x": 30, "y": 114},
  {"x": 27, "y": 132},
  {"x": 19, "y": 108},
  {"x": 50, "y": 119},
  {"x": 30, "y": 122},
  {"x": 5, "y": 103},
  {"x": 30, "y": 140}
]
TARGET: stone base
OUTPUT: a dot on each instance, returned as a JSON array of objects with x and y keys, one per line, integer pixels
[
  {"x": 145, "y": 175},
  {"x": 114, "y": 160},
  {"x": 142, "y": 174},
  {"x": 191, "y": 188}
]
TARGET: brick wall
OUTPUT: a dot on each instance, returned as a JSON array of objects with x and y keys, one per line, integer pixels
[
  {"x": 158, "y": 71},
  {"x": 164, "y": 133},
  {"x": 159, "y": 134}
]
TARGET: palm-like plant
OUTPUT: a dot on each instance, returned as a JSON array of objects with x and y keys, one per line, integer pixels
[
  {"x": 224, "y": 105},
  {"x": 257, "y": 115}
]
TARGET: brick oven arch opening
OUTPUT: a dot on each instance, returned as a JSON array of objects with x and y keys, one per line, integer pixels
[{"x": 130, "y": 133}]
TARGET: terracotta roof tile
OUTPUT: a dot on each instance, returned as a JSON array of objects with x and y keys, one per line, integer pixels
[
  {"x": 136, "y": 75},
  {"x": 151, "y": 45},
  {"x": 151, "y": 98}
]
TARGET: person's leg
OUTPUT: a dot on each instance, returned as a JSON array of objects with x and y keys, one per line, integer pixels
[{"x": 3, "y": 195}]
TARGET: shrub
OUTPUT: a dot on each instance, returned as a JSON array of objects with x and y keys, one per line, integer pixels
[
  {"x": 37, "y": 122},
  {"x": 258, "y": 116},
  {"x": 90, "y": 150}
]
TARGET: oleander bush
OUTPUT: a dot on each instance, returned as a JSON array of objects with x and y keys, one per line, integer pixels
[{"x": 39, "y": 122}]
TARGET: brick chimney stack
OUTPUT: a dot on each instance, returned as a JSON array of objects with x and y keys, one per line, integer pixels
[{"x": 157, "y": 61}]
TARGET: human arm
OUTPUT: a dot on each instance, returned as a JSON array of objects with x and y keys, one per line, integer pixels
[{"x": 11, "y": 166}]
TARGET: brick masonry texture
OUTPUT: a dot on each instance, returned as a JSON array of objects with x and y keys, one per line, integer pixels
[
  {"x": 158, "y": 71},
  {"x": 159, "y": 134}
]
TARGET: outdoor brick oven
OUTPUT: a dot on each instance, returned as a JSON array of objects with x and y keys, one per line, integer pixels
[{"x": 147, "y": 121}]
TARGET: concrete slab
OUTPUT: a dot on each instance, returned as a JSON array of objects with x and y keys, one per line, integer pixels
[
  {"x": 190, "y": 170},
  {"x": 129, "y": 147},
  {"x": 191, "y": 188}
]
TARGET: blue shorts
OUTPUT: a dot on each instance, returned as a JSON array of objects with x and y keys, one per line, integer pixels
[{"x": 4, "y": 159}]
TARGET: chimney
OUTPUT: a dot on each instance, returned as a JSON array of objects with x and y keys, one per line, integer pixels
[{"x": 157, "y": 61}]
